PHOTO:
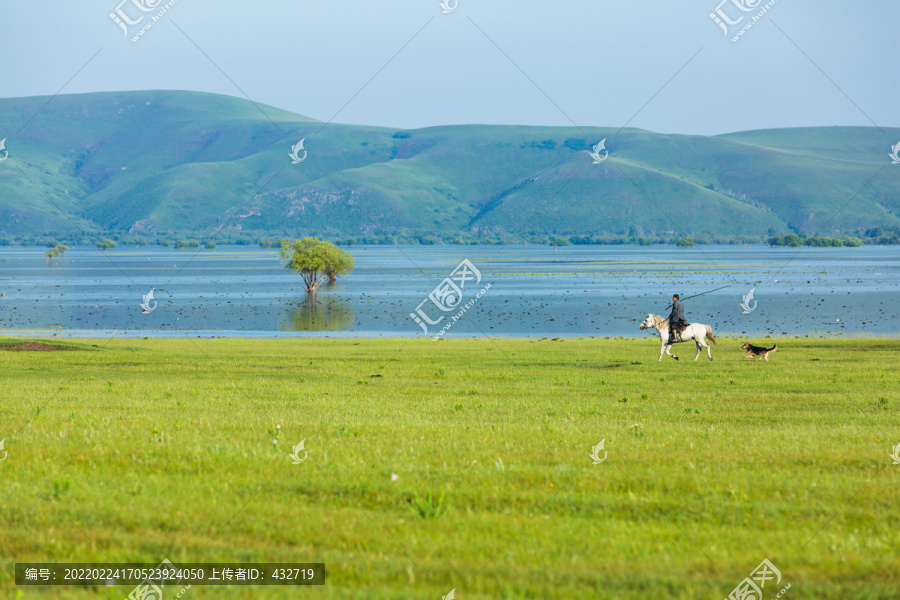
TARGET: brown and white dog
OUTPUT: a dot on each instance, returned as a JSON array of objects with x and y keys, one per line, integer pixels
[{"x": 758, "y": 351}]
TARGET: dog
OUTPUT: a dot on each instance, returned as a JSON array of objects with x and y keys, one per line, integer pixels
[{"x": 758, "y": 351}]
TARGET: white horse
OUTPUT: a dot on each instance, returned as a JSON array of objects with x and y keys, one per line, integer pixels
[{"x": 695, "y": 331}]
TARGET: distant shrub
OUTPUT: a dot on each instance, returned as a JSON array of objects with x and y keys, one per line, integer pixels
[
  {"x": 823, "y": 242},
  {"x": 544, "y": 145},
  {"x": 164, "y": 243},
  {"x": 791, "y": 240},
  {"x": 57, "y": 250},
  {"x": 210, "y": 245},
  {"x": 400, "y": 135},
  {"x": 685, "y": 242},
  {"x": 558, "y": 241},
  {"x": 187, "y": 244},
  {"x": 852, "y": 242},
  {"x": 106, "y": 244}
]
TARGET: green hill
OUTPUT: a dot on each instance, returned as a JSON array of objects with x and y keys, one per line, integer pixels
[{"x": 167, "y": 163}]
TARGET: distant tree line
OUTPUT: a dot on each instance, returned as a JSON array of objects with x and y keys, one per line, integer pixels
[
  {"x": 884, "y": 235},
  {"x": 793, "y": 240},
  {"x": 269, "y": 239}
]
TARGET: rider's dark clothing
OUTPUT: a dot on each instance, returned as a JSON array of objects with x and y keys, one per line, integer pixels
[
  {"x": 676, "y": 319},
  {"x": 677, "y": 314}
]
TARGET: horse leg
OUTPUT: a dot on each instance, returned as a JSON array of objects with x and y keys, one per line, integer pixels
[
  {"x": 701, "y": 342},
  {"x": 662, "y": 348},
  {"x": 698, "y": 349},
  {"x": 669, "y": 347}
]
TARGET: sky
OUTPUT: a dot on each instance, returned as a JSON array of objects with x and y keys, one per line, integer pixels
[{"x": 658, "y": 65}]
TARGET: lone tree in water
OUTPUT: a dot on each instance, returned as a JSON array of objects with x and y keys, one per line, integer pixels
[
  {"x": 55, "y": 251},
  {"x": 316, "y": 261}
]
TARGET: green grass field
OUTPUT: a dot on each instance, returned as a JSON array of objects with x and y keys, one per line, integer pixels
[{"x": 135, "y": 451}]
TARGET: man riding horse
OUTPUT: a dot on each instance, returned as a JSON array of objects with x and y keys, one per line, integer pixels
[{"x": 677, "y": 322}]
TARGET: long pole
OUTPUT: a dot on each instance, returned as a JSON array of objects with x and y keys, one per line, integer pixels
[{"x": 696, "y": 295}]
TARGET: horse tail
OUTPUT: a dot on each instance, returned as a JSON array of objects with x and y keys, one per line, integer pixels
[{"x": 709, "y": 334}]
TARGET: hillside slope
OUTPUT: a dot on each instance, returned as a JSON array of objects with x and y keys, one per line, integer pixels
[{"x": 162, "y": 162}]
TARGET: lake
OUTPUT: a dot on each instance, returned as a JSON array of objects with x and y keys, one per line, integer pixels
[{"x": 525, "y": 290}]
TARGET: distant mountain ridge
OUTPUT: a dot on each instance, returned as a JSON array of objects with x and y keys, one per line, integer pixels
[{"x": 163, "y": 163}]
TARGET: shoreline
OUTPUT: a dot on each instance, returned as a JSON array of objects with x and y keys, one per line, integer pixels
[{"x": 332, "y": 336}]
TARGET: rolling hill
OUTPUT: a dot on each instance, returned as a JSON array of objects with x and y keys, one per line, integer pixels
[{"x": 161, "y": 163}]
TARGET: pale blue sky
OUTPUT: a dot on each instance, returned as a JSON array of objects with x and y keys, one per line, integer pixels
[{"x": 598, "y": 61}]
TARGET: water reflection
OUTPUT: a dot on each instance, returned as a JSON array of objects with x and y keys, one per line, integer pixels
[{"x": 319, "y": 312}]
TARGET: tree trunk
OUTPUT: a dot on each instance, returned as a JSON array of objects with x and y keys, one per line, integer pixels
[{"x": 313, "y": 281}]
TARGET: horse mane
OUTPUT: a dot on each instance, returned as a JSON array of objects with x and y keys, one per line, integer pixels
[{"x": 660, "y": 322}]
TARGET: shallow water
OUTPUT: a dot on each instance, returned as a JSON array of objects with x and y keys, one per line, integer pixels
[{"x": 535, "y": 291}]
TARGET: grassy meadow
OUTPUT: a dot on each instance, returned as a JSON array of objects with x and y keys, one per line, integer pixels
[{"x": 139, "y": 450}]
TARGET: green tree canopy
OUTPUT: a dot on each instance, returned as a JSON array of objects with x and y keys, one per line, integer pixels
[
  {"x": 315, "y": 260},
  {"x": 59, "y": 250}
]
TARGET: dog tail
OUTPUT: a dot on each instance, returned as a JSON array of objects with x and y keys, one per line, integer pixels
[
  {"x": 709, "y": 334},
  {"x": 773, "y": 348}
]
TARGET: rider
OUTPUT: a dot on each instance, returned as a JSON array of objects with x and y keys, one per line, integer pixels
[{"x": 676, "y": 318}]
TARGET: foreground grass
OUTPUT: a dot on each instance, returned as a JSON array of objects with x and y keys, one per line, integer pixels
[{"x": 139, "y": 450}]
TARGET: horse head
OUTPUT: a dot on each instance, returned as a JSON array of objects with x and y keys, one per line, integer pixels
[{"x": 649, "y": 323}]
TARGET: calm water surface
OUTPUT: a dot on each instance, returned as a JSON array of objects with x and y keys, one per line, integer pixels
[{"x": 535, "y": 291}]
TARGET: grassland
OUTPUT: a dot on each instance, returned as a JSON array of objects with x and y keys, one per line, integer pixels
[{"x": 139, "y": 450}]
